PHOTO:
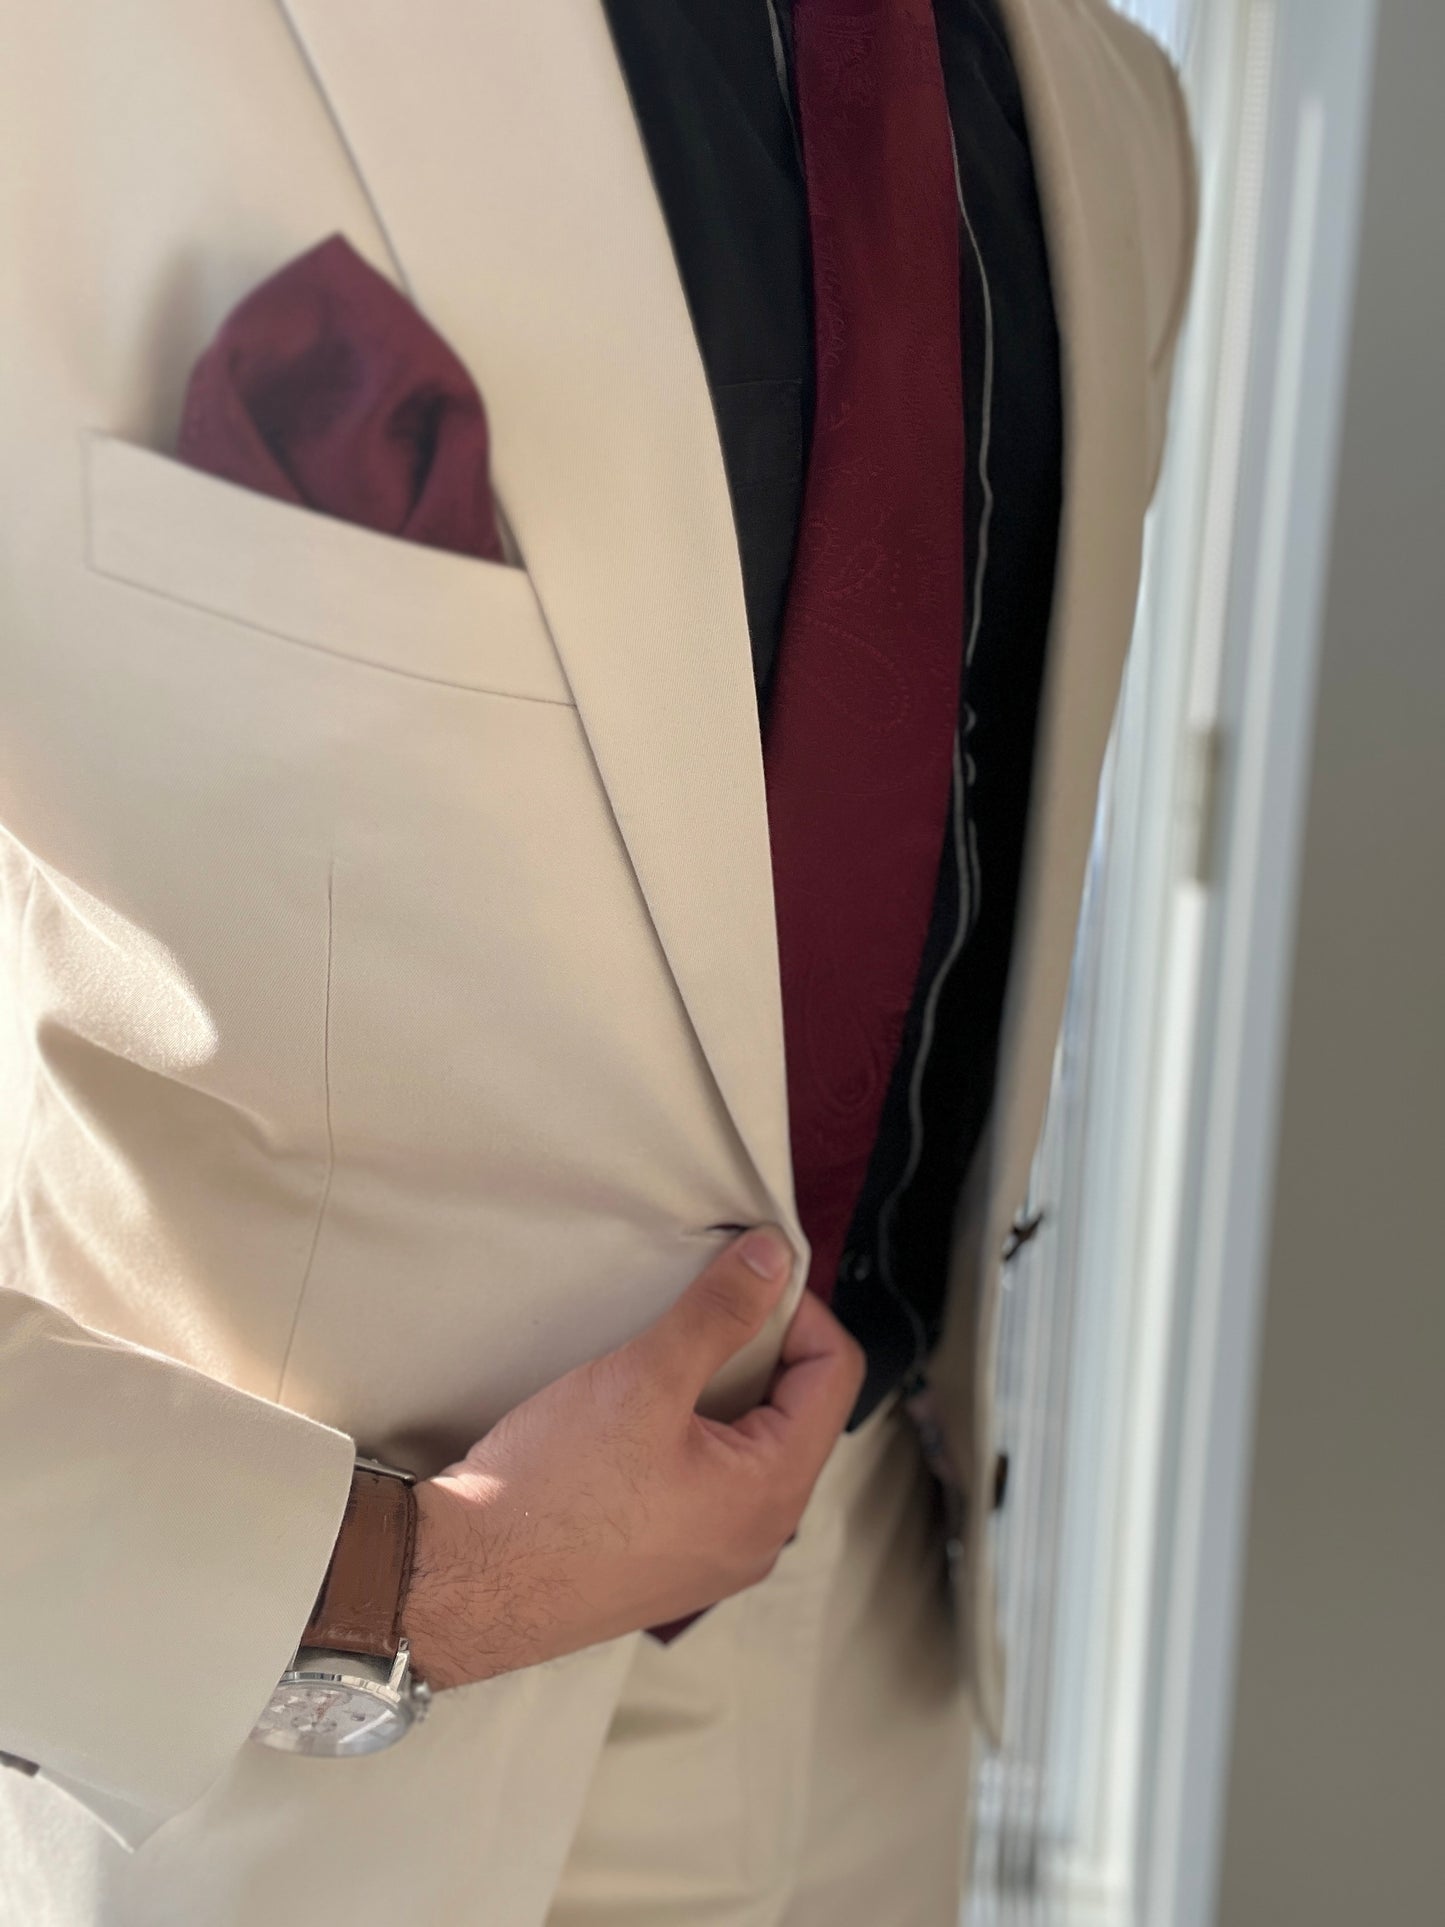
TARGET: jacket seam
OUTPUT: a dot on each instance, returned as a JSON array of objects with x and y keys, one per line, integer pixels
[{"x": 324, "y": 1201}]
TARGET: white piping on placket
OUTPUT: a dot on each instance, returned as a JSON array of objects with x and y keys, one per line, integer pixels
[{"x": 965, "y": 842}]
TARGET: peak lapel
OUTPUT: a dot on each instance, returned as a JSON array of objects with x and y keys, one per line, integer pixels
[{"x": 497, "y": 140}]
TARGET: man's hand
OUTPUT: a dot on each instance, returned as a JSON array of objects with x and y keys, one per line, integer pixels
[{"x": 605, "y": 1503}]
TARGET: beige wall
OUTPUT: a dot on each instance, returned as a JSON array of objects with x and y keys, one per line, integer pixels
[{"x": 1336, "y": 1804}]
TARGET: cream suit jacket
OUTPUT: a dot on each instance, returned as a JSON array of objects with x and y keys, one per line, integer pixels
[{"x": 390, "y": 1014}]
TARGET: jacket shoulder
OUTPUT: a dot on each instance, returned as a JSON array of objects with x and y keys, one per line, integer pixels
[{"x": 1146, "y": 102}]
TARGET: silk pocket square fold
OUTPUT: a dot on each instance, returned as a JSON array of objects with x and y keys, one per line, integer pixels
[{"x": 325, "y": 387}]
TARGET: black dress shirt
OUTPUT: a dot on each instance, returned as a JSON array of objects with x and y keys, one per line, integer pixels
[{"x": 710, "y": 83}]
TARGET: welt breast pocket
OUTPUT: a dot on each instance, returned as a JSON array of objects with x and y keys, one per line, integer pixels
[{"x": 312, "y": 580}]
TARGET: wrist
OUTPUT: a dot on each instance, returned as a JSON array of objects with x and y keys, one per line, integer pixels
[{"x": 439, "y": 1610}]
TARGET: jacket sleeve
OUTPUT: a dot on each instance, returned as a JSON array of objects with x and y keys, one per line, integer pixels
[{"x": 162, "y": 1540}]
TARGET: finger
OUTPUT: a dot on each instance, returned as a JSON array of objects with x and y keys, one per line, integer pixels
[
  {"x": 723, "y": 1309},
  {"x": 820, "y": 1374}
]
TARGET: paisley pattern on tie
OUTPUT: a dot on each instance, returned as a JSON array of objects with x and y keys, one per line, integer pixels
[{"x": 859, "y": 735}]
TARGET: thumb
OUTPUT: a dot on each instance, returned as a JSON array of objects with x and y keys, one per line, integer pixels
[{"x": 725, "y": 1306}]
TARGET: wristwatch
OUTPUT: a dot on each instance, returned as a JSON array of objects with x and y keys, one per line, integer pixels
[{"x": 349, "y": 1688}]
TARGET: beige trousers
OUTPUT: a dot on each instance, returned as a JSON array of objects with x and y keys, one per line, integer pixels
[
  {"x": 802, "y": 1757},
  {"x": 798, "y": 1758}
]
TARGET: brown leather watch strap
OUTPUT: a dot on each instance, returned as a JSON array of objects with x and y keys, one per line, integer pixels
[{"x": 358, "y": 1609}]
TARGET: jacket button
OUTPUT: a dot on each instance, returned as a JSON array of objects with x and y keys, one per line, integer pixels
[{"x": 1000, "y": 1479}]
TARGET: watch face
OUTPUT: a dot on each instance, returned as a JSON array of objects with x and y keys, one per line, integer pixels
[{"x": 333, "y": 1717}]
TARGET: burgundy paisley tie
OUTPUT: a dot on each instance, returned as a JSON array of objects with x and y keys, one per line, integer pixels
[{"x": 858, "y": 741}]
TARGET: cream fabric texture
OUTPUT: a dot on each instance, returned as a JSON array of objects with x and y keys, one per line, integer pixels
[
  {"x": 389, "y": 1006},
  {"x": 799, "y": 1758}
]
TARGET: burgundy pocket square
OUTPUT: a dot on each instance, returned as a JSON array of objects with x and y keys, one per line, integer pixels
[{"x": 327, "y": 388}]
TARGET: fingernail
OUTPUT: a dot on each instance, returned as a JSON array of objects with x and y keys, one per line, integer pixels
[{"x": 768, "y": 1253}]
